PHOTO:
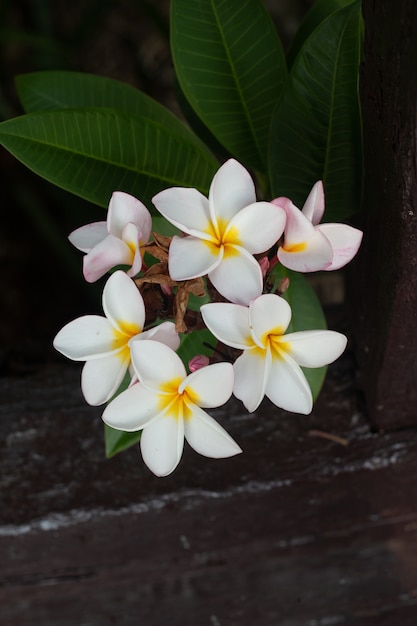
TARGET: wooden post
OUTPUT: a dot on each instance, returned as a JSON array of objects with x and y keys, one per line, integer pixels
[{"x": 386, "y": 269}]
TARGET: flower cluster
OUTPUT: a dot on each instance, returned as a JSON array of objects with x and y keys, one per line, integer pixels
[{"x": 233, "y": 240}]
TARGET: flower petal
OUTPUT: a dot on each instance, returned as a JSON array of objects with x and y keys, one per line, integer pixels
[
  {"x": 190, "y": 257},
  {"x": 124, "y": 208},
  {"x": 87, "y": 337},
  {"x": 186, "y": 208},
  {"x": 287, "y": 387},
  {"x": 258, "y": 226},
  {"x": 315, "y": 348},
  {"x": 207, "y": 437},
  {"x": 133, "y": 409},
  {"x": 298, "y": 228},
  {"x": 344, "y": 240},
  {"x": 101, "y": 378},
  {"x": 123, "y": 304},
  {"x": 268, "y": 314},
  {"x": 88, "y": 236},
  {"x": 228, "y": 322},
  {"x": 210, "y": 386},
  {"x": 238, "y": 277},
  {"x": 104, "y": 256},
  {"x": 231, "y": 189},
  {"x": 313, "y": 208},
  {"x": 315, "y": 255},
  {"x": 156, "y": 364},
  {"x": 251, "y": 376},
  {"x": 165, "y": 333},
  {"x": 162, "y": 443}
]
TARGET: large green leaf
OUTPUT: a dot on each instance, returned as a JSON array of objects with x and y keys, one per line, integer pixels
[
  {"x": 316, "y": 132},
  {"x": 93, "y": 152},
  {"x": 231, "y": 68},
  {"x": 307, "y": 314},
  {"x": 118, "y": 440}
]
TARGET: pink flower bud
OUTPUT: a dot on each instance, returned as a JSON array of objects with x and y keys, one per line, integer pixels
[
  {"x": 264, "y": 263},
  {"x": 197, "y": 362}
]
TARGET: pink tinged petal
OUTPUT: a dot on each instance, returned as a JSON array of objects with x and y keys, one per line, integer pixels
[
  {"x": 124, "y": 208},
  {"x": 101, "y": 378},
  {"x": 344, "y": 240},
  {"x": 88, "y": 236},
  {"x": 156, "y": 364},
  {"x": 190, "y": 257},
  {"x": 104, "y": 256},
  {"x": 231, "y": 189},
  {"x": 123, "y": 304},
  {"x": 186, "y": 208},
  {"x": 287, "y": 387},
  {"x": 268, "y": 314},
  {"x": 238, "y": 277},
  {"x": 87, "y": 337},
  {"x": 228, "y": 322},
  {"x": 315, "y": 348},
  {"x": 131, "y": 236},
  {"x": 298, "y": 228},
  {"x": 162, "y": 443},
  {"x": 165, "y": 333},
  {"x": 251, "y": 376},
  {"x": 314, "y": 255},
  {"x": 207, "y": 437},
  {"x": 210, "y": 386},
  {"x": 313, "y": 208},
  {"x": 257, "y": 227},
  {"x": 133, "y": 409}
]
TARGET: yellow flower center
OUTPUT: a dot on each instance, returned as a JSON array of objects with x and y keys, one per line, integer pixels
[
  {"x": 121, "y": 338},
  {"x": 297, "y": 247},
  {"x": 219, "y": 239},
  {"x": 175, "y": 404},
  {"x": 273, "y": 339}
]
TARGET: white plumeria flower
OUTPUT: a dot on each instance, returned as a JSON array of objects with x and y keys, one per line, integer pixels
[
  {"x": 168, "y": 405},
  {"x": 105, "y": 342},
  {"x": 117, "y": 241},
  {"x": 270, "y": 363},
  {"x": 309, "y": 247},
  {"x": 224, "y": 231}
]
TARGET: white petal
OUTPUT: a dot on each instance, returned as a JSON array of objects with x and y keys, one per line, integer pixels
[
  {"x": 162, "y": 443},
  {"x": 210, "y": 386},
  {"x": 101, "y": 378},
  {"x": 268, "y": 314},
  {"x": 315, "y": 348},
  {"x": 186, "y": 208},
  {"x": 287, "y": 386},
  {"x": 228, "y": 322},
  {"x": 133, "y": 409},
  {"x": 88, "y": 236},
  {"x": 231, "y": 189},
  {"x": 123, "y": 304},
  {"x": 344, "y": 240},
  {"x": 165, "y": 333},
  {"x": 298, "y": 229},
  {"x": 104, "y": 256},
  {"x": 156, "y": 364},
  {"x": 238, "y": 277},
  {"x": 207, "y": 437},
  {"x": 315, "y": 255},
  {"x": 313, "y": 208},
  {"x": 251, "y": 376},
  {"x": 190, "y": 257},
  {"x": 124, "y": 208},
  {"x": 257, "y": 227},
  {"x": 90, "y": 336}
]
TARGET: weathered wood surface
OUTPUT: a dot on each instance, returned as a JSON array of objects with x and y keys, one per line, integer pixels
[
  {"x": 386, "y": 275},
  {"x": 297, "y": 531}
]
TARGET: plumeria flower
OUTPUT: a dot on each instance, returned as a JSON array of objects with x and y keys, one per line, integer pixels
[
  {"x": 117, "y": 241},
  {"x": 105, "y": 342},
  {"x": 270, "y": 362},
  {"x": 224, "y": 232},
  {"x": 308, "y": 246},
  {"x": 168, "y": 405}
]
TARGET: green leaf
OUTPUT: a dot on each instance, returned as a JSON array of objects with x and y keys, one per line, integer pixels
[
  {"x": 118, "y": 440},
  {"x": 231, "y": 68},
  {"x": 307, "y": 314},
  {"x": 319, "y": 11},
  {"x": 93, "y": 152},
  {"x": 316, "y": 132},
  {"x": 196, "y": 342}
]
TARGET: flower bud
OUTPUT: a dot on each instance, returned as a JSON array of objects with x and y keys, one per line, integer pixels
[{"x": 197, "y": 362}]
